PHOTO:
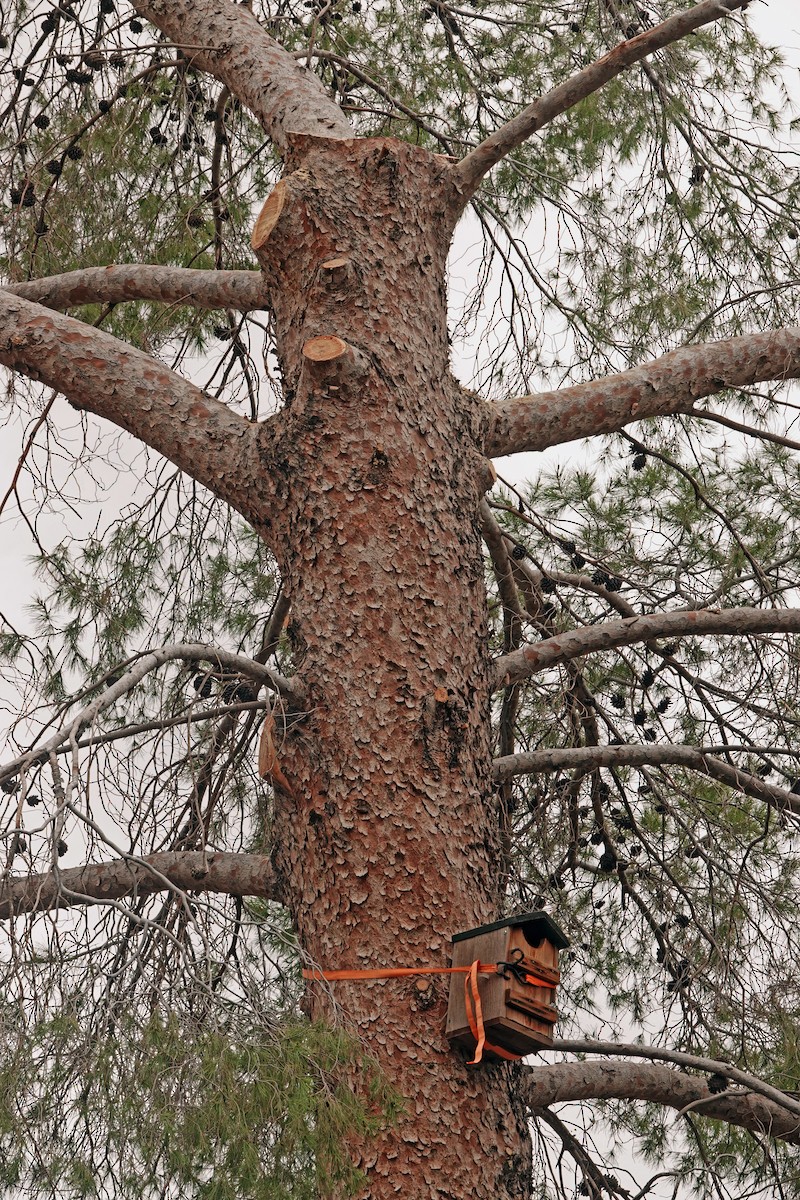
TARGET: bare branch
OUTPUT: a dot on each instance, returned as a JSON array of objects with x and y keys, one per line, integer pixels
[
  {"x": 105, "y": 376},
  {"x": 590, "y": 758},
  {"x": 186, "y": 718},
  {"x": 657, "y": 1084},
  {"x": 573, "y": 579},
  {"x": 764, "y": 435},
  {"x": 96, "y": 883},
  {"x": 668, "y": 385},
  {"x": 186, "y": 652},
  {"x": 595, "y": 1180},
  {"x": 501, "y": 560},
  {"x": 574, "y": 643},
  {"x": 226, "y": 40},
  {"x": 241, "y": 291},
  {"x": 472, "y": 169}
]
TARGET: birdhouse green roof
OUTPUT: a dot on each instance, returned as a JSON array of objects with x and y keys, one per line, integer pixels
[{"x": 535, "y": 925}]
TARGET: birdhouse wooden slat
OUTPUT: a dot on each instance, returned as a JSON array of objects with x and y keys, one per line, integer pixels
[{"x": 517, "y": 1003}]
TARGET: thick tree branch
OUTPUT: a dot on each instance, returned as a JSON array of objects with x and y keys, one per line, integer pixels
[
  {"x": 590, "y": 758},
  {"x": 658, "y": 1084},
  {"x": 241, "y": 291},
  {"x": 682, "y": 1058},
  {"x": 226, "y": 40},
  {"x": 472, "y": 169},
  {"x": 574, "y": 643},
  {"x": 191, "y": 652},
  {"x": 668, "y": 385},
  {"x": 94, "y": 883},
  {"x": 103, "y": 375}
]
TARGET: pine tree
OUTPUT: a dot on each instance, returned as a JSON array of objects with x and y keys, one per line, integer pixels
[{"x": 307, "y": 686}]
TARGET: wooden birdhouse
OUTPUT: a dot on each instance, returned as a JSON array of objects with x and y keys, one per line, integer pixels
[{"x": 516, "y": 985}]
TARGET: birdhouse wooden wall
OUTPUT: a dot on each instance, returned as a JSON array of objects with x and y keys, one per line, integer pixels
[{"x": 518, "y": 1002}]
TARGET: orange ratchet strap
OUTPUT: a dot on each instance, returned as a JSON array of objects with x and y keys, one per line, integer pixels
[
  {"x": 472, "y": 997},
  {"x": 472, "y": 1003},
  {"x": 394, "y": 972}
]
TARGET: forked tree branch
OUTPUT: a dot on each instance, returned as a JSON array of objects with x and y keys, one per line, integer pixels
[
  {"x": 668, "y": 385},
  {"x": 226, "y": 40},
  {"x": 472, "y": 169},
  {"x": 94, "y": 883},
  {"x": 105, "y": 376},
  {"x": 190, "y": 652},
  {"x": 570, "y": 1081},
  {"x": 574, "y": 643},
  {"x": 681, "y": 1058},
  {"x": 241, "y": 291},
  {"x": 591, "y": 758}
]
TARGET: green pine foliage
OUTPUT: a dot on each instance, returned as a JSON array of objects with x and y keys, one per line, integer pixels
[
  {"x": 679, "y": 893},
  {"x": 208, "y": 1112}
]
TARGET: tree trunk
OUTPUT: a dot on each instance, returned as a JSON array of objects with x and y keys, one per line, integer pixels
[{"x": 387, "y": 844}]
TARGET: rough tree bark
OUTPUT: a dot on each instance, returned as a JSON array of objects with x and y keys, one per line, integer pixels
[{"x": 387, "y": 843}]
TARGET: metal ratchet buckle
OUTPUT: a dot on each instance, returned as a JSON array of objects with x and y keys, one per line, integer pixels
[{"x": 515, "y": 967}]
